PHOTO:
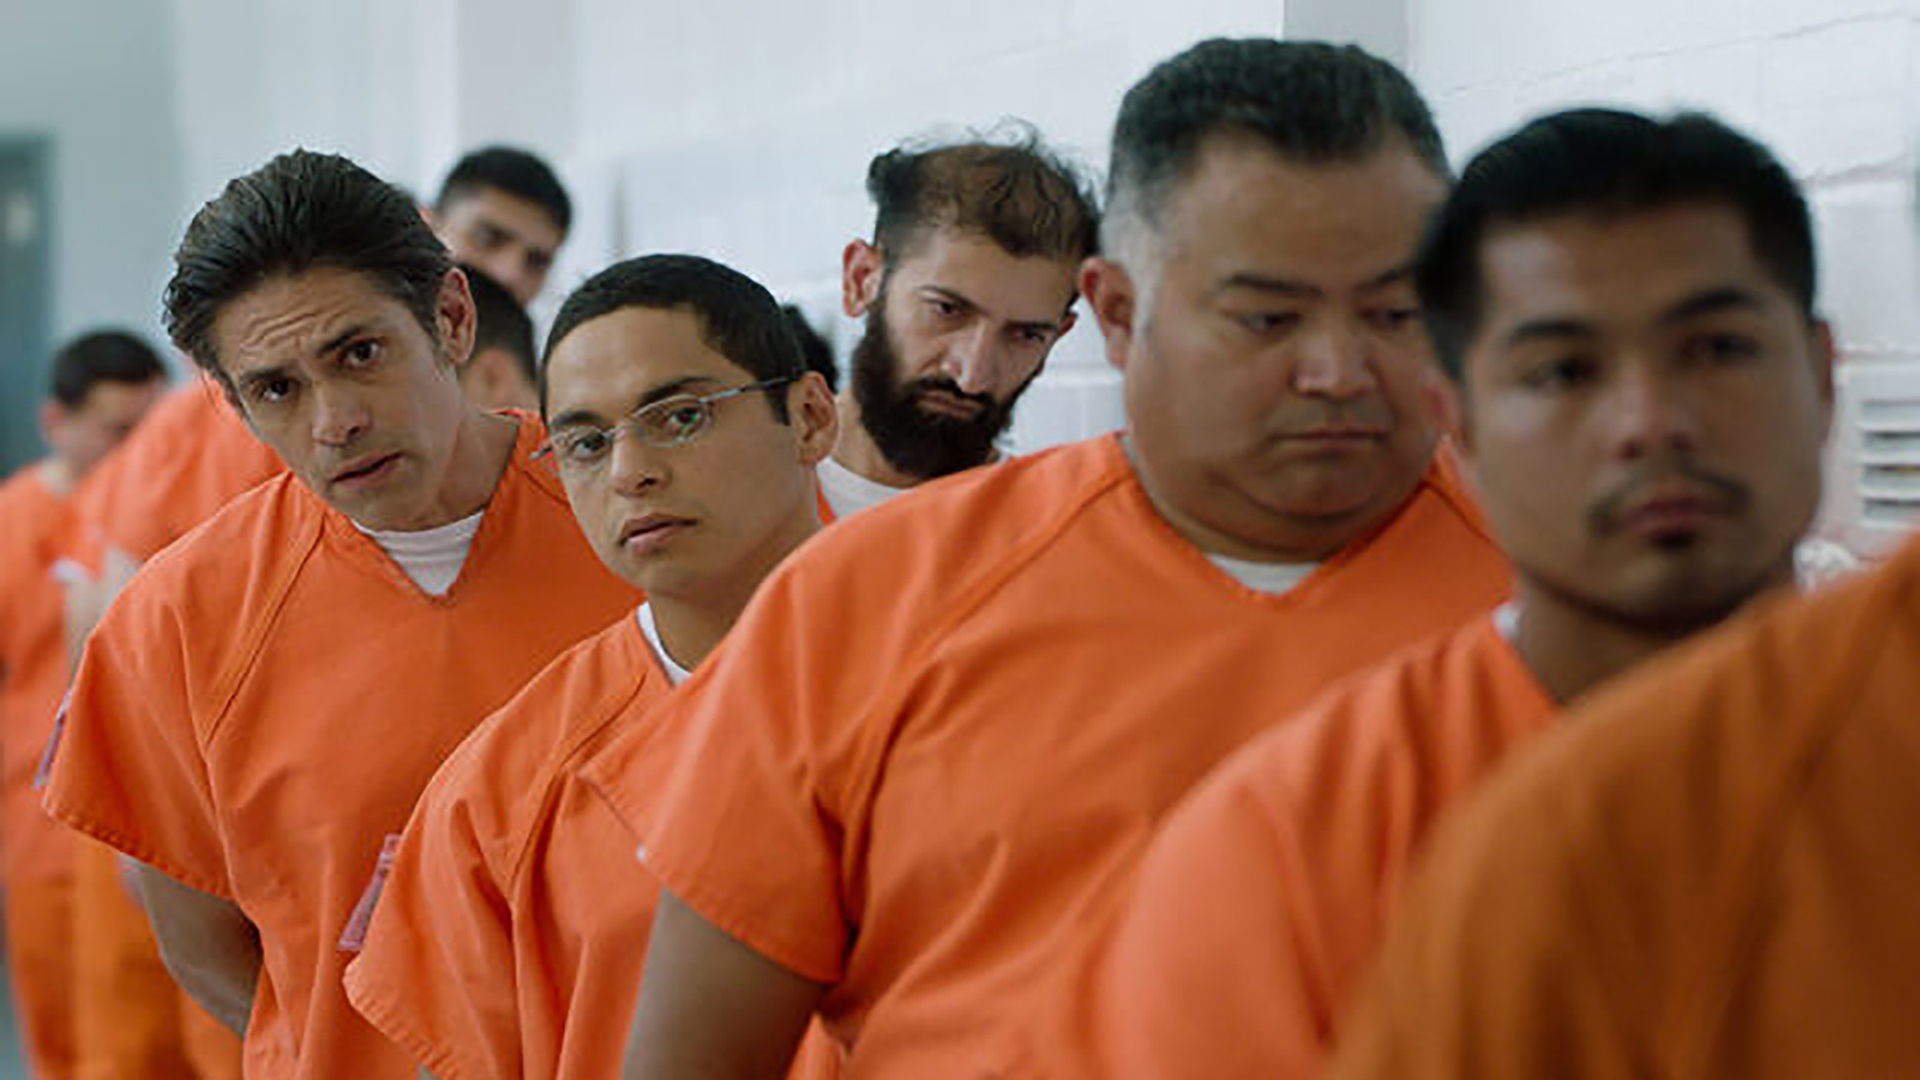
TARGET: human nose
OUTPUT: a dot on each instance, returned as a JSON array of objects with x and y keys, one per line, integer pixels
[
  {"x": 1333, "y": 362},
  {"x": 632, "y": 465},
  {"x": 339, "y": 416},
  {"x": 979, "y": 362},
  {"x": 1649, "y": 414}
]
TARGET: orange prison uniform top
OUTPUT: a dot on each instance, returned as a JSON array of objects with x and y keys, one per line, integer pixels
[
  {"x": 37, "y": 852},
  {"x": 190, "y": 456},
  {"x": 1711, "y": 871},
  {"x": 945, "y": 727},
  {"x": 267, "y": 699},
  {"x": 511, "y": 933},
  {"x": 1259, "y": 904}
]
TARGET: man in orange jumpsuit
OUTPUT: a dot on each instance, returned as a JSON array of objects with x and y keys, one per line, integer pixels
[
  {"x": 103, "y": 383},
  {"x": 1708, "y": 872},
  {"x": 502, "y": 209},
  {"x": 1628, "y": 308},
  {"x": 263, "y": 704},
  {"x": 931, "y": 746},
  {"x": 504, "y": 942}
]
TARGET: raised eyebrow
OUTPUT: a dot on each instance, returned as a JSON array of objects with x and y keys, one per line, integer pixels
[
  {"x": 1709, "y": 302},
  {"x": 340, "y": 341}
]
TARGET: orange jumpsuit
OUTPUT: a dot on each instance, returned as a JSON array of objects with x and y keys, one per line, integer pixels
[
  {"x": 945, "y": 728},
  {"x": 1710, "y": 870},
  {"x": 262, "y": 707},
  {"x": 38, "y": 853},
  {"x": 1264, "y": 897}
]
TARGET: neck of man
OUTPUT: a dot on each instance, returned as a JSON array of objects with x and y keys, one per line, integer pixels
[
  {"x": 1572, "y": 647},
  {"x": 59, "y": 475},
  {"x": 1257, "y": 534},
  {"x": 858, "y": 453},
  {"x": 693, "y": 619},
  {"x": 481, "y": 450}
]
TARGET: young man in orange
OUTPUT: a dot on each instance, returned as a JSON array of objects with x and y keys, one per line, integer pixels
[
  {"x": 503, "y": 210},
  {"x": 102, "y": 384},
  {"x": 1710, "y": 872},
  {"x": 964, "y": 297},
  {"x": 930, "y": 746},
  {"x": 686, "y": 430},
  {"x": 1627, "y": 306},
  {"x": 264, "y": 703}
]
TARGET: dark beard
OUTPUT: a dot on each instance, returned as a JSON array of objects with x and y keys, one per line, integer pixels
[{"x": 919, "y": 443}]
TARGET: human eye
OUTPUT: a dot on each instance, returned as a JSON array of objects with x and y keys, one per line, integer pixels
[
  {"x": 674, "y": 421},
  {"x": 363, "y": 354},
  {"x": 271, "y": 390},
  {"x": 1393, "y": 320},
  {"x": 1721, "y": 348},
  {"x": 943, "y": 307},
  {"x": 1561, "y": 373},
  {"x": 583, "y": 446},
  {"x": 1265, "y": 323}
]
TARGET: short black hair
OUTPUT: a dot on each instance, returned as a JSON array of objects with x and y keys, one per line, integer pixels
[
  {"x": 301, "y": 211},
  {"x": 738, "y": 317},
  {"x": 813, "y": 347},
  {"x": 1309, "y": 101},
  {"x": 501, "y": 323},
  {"x": 512, "y": 170},
  {"x": 102, "y": 356},
  {"x": 1014, "y": 190},
  {"x": 1603, "y": 163}
]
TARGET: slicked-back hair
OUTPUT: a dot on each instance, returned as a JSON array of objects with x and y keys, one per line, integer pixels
[
  {"x": 1016, "y": 191},
  {"x": 501, "y": 323},
  {"x": 1310, "y": 102},
  {"x": 512, "y": 170},
  {"x": 102, "y": 356},
  {"x": 737, "y": 316},
  {"x": 1604, "y": 163},
  {"x": 301, "y": 211}
]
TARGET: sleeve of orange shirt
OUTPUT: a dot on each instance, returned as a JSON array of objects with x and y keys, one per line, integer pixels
[{"x": 127, "y": 762}]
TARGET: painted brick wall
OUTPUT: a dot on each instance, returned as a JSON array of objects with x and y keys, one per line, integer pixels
[{"x": 1830, "y": 85}]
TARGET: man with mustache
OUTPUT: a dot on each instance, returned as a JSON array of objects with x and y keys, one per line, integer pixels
[
  {"x": 966, "y": 285},
  {"x": 942, "y": 731},
  {"x": 263, "y": 704},
  {"x": 1627, "y": 307}
]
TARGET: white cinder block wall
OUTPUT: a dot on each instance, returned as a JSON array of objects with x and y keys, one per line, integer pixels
[
  {"x": 741, "y": 128},
  {"x": 1830, "y": 85}
]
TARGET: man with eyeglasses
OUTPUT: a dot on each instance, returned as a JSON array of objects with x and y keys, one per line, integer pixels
[
  {"x": 264, "y": 703},
  {"x": 509, "y": 937}
]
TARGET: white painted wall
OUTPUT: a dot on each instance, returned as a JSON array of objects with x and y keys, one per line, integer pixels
[
  {"x": 1830, "y": 85},
  {"x": 94, "y": 75}
]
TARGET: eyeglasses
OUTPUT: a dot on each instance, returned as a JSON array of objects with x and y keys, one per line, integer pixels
[{"x": 674, "y": 421}]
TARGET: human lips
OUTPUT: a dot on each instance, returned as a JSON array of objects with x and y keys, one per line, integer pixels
[
  {"x": 647, "y": 534},
  {"x": 1672, "y": 511},
  {"x": 366, "y": 471}
]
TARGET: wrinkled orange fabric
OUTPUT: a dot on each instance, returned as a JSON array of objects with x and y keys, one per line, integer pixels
[
  {"x": 265, "y": 702},
  {"x": 944, "y": 729},
  {"x": 35, "y": 852},
  {"x": 1708, "y": 870},
  {"x": 511, "y": 934},
  {"x": 1264, "y": 897},
  {"x": 129, "y": 1019}
]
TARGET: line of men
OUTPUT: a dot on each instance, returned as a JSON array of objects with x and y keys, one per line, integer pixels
[{"x": 1111, "y": 760}]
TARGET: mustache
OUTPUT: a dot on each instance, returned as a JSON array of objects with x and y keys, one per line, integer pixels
[
  {"x": 914, "y": 388},
  {"x": 1367, "y": 413},
  {"x": 1605, "y": 512}
]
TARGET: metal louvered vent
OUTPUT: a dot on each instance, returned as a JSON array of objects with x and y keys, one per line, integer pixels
[{"x": 1882, "y": 406}]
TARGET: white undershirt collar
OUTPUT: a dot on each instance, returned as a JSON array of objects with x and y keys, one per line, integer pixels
[
  {"x": 431, "y": 558},
  {"x": 1274, "y": 579},
  {"x": 651, "y": 631},
  {"x": 848, "y": 492}
]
